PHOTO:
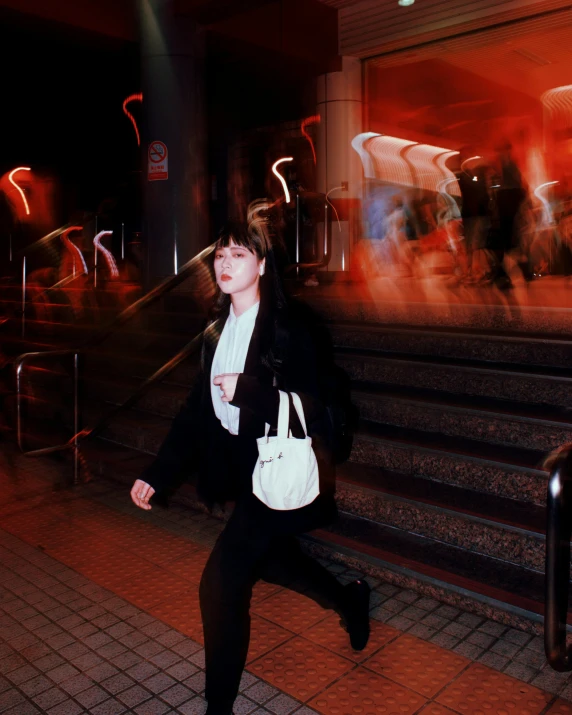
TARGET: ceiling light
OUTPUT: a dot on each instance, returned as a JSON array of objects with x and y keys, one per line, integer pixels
[{"x": 405, "y": 3}]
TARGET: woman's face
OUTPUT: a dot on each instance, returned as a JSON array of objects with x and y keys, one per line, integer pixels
[{"x": 236, "y": 269}]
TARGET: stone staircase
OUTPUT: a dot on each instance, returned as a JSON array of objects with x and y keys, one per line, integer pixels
[{"x": 445, "y": 489}]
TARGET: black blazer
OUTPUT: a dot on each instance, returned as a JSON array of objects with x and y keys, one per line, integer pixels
[{"x": 195, "y": 440}]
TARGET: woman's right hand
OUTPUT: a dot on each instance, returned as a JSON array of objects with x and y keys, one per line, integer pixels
[{"x": 141, "y": 493}]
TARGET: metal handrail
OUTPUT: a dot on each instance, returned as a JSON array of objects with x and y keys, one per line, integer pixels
[
  {"x": 23, "y": 254},
  {"x": 118, "y": 321},
  {"x": 327, "y": 241},
  {"x": 557, "y": 572}
]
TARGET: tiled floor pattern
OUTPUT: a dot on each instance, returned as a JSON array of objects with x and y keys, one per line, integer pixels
[{"x": 99, "y": 614}]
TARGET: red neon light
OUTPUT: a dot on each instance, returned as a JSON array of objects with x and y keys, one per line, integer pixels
[
  {"x": 306, "y": 122},
  {"x": 22, "y": 194},
  {"x": 133, "y": 98}
]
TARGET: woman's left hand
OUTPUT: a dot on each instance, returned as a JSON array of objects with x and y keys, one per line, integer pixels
[{"x": 227, "y": 383}]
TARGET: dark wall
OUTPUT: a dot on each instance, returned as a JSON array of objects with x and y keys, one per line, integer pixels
[{"x": 63, "y": 90}]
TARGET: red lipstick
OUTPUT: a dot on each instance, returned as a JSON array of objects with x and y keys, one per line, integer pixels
[{"x": 225, "y": 277}]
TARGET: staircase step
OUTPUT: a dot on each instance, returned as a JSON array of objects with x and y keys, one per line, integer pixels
[
  {"x": 485, "y": 345},
  {"x": 512, "y": 382},
  {"x": 505, "y": 471},
  {"x": 507, "y": 422},
  {"x": 494, "y": 526},
  {"x": 509, "y": 592}
]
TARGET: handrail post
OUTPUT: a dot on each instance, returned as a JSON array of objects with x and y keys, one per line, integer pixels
[
  {"x": 23, "y": 296},
  {"x": 19, "y": 367},
  {"x": 297, "y": 234},
  {"x": 122, "y": 241},
  {"x": 557, "y": 573},
  {"x": 75, "y": 418}
]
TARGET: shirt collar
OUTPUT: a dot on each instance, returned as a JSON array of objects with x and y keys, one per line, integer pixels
[{"x": 249, "y": 316}]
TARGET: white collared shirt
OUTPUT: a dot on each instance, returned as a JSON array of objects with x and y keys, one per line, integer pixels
[{"x": 229, "y": 357}]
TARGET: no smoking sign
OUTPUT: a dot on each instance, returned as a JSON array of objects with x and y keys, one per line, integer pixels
[{"x": 157, "y": 162}]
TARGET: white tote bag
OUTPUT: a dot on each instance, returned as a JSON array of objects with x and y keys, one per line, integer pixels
[{"x": 286, "y": 474}]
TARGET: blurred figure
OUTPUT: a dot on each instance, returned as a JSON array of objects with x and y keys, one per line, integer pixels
[
  {"x": 508, "y": 193},
  {"x": 474, "y": 208}
]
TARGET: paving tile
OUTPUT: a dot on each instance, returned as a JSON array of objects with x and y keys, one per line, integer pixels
[
  {"x": 76, "y": 684},
  {"x": 196, "y": 682},
  {"x": 182, "y": 670},
  {"x": 177, "y": 694},
  {"x": 36, "y": 686},
  {"x": 290, "y": 610},
  {"x": 21, "y": 675},
  {"x": 261, "y": 692},
  {"x": 362, "y": 691},
  {"x": 92, "y": 696},
  {"x": 282, "y": 705},
  {"x": 152, "y": 707},
  {"x": 300, "y": 668},
  {"x": 330, "y": 634},
  {"x": 560, "y": 707},
  {"x": 87, "y": 661},
  {"x": 494, "y": 660},
  {"x": 111, "y": 650},
  {"x": 10, "y": 698},
  {"x": 134, "y": 696},
  {"x": 520, "y": 671},
  {"x": 265, "y": 636},
  {"x": 469, "y": 650},
  {"x": 67, "y": 707},
  {"x": 550, "y": 680},
  {"x": 49, "y": 698},
  {"x": 118, "y": 683},
  {"x": 62, "y": 672},
  {"x": 126, "y": 660},
  {"x": 101, "y": 672},
  {"x": 165, "y": 659},
  {"x": 158, "y": 682},
  {"x": 492, "y": 628},
  {"x": 436, "y": 709},
  {"x": 196, "y": 706},
  {"x": 416, "y": 664},
  {"x": 481, "y": 687},
  {"x": 23, "y": 709},
  {"x": 142, "y": 671},
  {"x": 12, "y": 662}
]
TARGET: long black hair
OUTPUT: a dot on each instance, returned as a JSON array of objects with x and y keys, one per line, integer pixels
[{"x": 254, "y": 235}]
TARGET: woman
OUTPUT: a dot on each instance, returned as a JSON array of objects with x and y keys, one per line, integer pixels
[{"x": 249, "y": 348}]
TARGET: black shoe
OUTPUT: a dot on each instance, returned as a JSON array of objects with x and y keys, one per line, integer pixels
[{"x": 356, "y": 613}]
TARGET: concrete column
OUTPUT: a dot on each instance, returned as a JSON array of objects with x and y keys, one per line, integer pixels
[
  {"x": 340, "y": 106},
  {"x": 175, "y": 209}
]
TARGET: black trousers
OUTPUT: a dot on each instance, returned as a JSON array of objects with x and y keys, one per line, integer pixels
[{"x": 245, "y": 551}]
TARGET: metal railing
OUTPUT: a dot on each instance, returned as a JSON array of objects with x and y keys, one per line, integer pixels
[
  {"x": 23, "y": 255},
  {"x": 557, "y": 572},
  {"x": 73, "y": 444},
  {"x": 326, "y": 239}
]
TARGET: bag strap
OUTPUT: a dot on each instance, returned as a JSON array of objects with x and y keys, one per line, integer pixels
[
  {"x": 283, "y": 415},
  {"x": 300, "y": 410}
]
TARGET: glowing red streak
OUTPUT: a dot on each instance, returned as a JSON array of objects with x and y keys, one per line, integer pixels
[
  {"x": 558, "y": 102},
  {"x": 72, "y": 247},
  {"x": 22, "y": 194},
  {"x": 106, "y": 253},
  {"x": 133, "y": 98},
  {"x": 310, "y": 120},
  {"x": 280, "y": 177}
]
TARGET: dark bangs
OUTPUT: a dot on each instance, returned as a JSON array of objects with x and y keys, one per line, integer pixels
[{"x": 242, "y": 235}]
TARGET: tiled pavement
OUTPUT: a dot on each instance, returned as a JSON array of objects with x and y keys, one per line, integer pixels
[{"x": 99, "y": 614}]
